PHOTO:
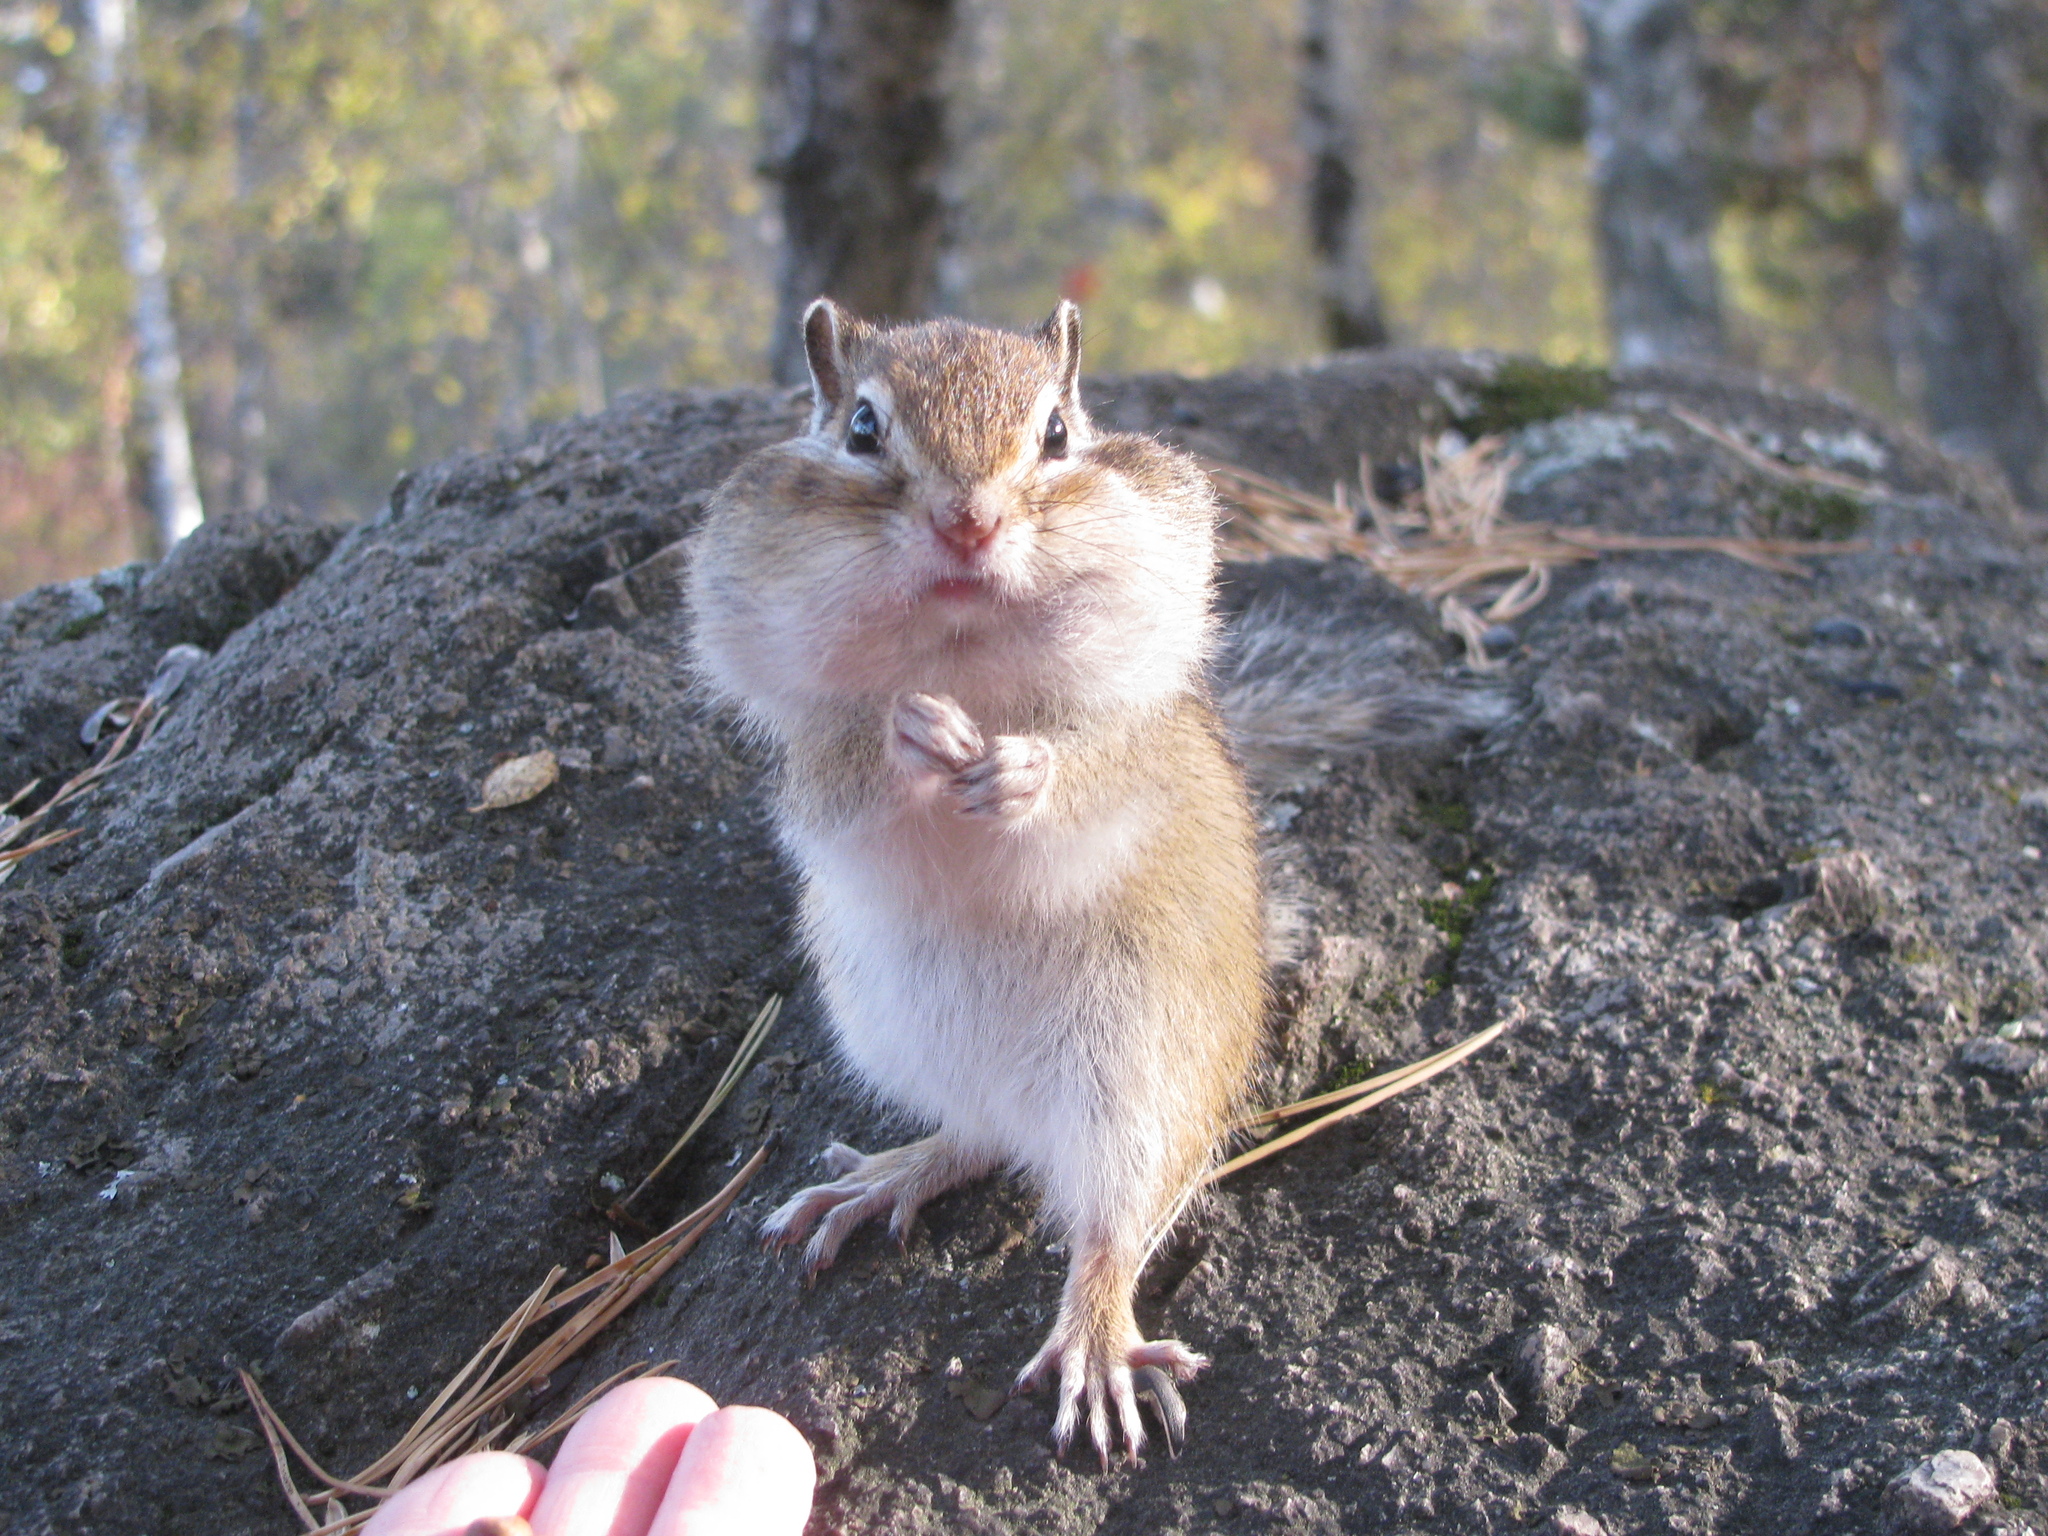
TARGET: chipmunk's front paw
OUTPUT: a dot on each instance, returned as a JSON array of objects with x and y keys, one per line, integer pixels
[
  {"x": 1107, "y": 1374},
  {"x": 939, "y": 746},
  {"x": 1008, "y": 783},
  {"x": 930, "y": 734}
]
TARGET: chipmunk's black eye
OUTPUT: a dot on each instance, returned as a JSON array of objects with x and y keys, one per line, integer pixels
[
  {"x": 1055, "y": 436},
  {"x": 863, "y": 430}
]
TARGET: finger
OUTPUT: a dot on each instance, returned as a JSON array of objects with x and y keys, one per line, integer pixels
[
  {"x": 617, "y": 1461},
  {"x": 745, "y": 1472},
  {"x": 448, "y": 1499}
]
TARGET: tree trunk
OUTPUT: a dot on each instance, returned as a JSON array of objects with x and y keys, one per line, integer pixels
[
  {"x": 173, "y": 488},
  {"x": 1654, "y": 201},
  {"x": 586, "y": 354},
  {"x": 856, "y": 118},
  {"x": 252, "y": 362},
  {"x": 1331, "y": 88},
  {"x": 1971, "y": 339}
]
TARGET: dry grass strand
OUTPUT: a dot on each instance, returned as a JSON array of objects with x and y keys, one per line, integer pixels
[
  {"x": 1461, "y": 538},
  {"x": 457, "y": 1420},
  {"x": 1355, "y": 1100}
]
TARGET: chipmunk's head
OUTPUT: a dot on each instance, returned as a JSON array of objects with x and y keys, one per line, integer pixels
[
  {"x": 952, "y": 520},
  {"x": 965, "y": 426}
]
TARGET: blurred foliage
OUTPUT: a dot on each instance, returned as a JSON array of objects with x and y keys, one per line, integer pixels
[
  {"x": 1542, "y": 95},
  {"x": 433, "y": 201},
  {"x": 461, "y": 218},
  {"x": 1141, "y": 157},
  {"x": 1484, "y": 230},
  {"x": 62, "y": 321},
  {"x": 1138, "y": 157}
]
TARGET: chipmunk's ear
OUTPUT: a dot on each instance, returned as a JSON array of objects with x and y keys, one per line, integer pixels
[
  {"x": 826, "y": 328},
  {"x": 1061, "y": 336}
]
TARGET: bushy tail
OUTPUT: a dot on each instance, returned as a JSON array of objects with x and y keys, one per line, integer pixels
[{"x": 1294, "y": 687}]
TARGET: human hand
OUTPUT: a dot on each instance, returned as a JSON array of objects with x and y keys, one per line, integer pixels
[{"x": 654, "y": 1457}]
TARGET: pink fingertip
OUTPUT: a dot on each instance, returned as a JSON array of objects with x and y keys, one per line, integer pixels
[
  {"x": 447, "y": 1500},
  {"x": 616, "y": 1463},
  {"x": 745, "y": 1472}
]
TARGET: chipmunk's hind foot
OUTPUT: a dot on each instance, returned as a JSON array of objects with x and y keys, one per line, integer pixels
[
  {"x": 898, "y": 1182},
  {"x": 1107, "y": 1378}
]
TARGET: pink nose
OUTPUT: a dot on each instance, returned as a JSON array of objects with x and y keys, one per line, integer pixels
[{"x": 965, "y": 528}]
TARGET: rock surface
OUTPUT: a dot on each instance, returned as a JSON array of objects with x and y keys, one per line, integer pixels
[{"x": 304, "y": 1065}]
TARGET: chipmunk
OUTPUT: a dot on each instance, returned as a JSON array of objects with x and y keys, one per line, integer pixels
[
  {"x": 978, "y": 632},
  {"x": 976, "y": 629}
]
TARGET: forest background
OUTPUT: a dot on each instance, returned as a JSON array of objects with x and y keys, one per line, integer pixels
[{"x": 386, "y": 232}]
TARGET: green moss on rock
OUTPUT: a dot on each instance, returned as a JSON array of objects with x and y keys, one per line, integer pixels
[{"x": 1524, "y": 391}]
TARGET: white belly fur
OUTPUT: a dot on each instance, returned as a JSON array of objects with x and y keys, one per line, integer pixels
[{"x": 968, "y": 992}]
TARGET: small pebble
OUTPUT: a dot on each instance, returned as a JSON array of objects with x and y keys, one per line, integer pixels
[
  {"x": 1840, "y": 631},
  {"x": 1541, "y": 1360},
  {"x": 1498, "y": 639},
  {"x": 1774, "y": 1429},
  {"x": 1999, "y": 1438},
  {"x": 1994, "y": 1056},
  {"x": 1939, "y": 1494},
  {"x": 1570, "y": 1521},
  {"x": 1394, "y": 481}
]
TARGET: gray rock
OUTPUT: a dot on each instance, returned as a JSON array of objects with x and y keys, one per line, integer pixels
[
  {"x": 1939, "y": 1494},
  {"x": 393, "y": 1032},
  {"x": 1973, "y": 1298},
  {"x": 2000, "y": 1438}
]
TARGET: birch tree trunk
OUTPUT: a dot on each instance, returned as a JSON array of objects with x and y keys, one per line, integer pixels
[
  {"x": 1654, "y": 202},
  {"x": 117, "y": 91},
  {"x": 1331, "y": 90},
  {"x": 1971, "y": 341},
  {"x": 857, "y": 142}
]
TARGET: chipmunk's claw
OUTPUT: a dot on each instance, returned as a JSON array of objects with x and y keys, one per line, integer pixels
[
  {"x": 1097, "y": 1379},
  {"x": 931, "y": 734},
  {"x": 1153, "y": 1382}
]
